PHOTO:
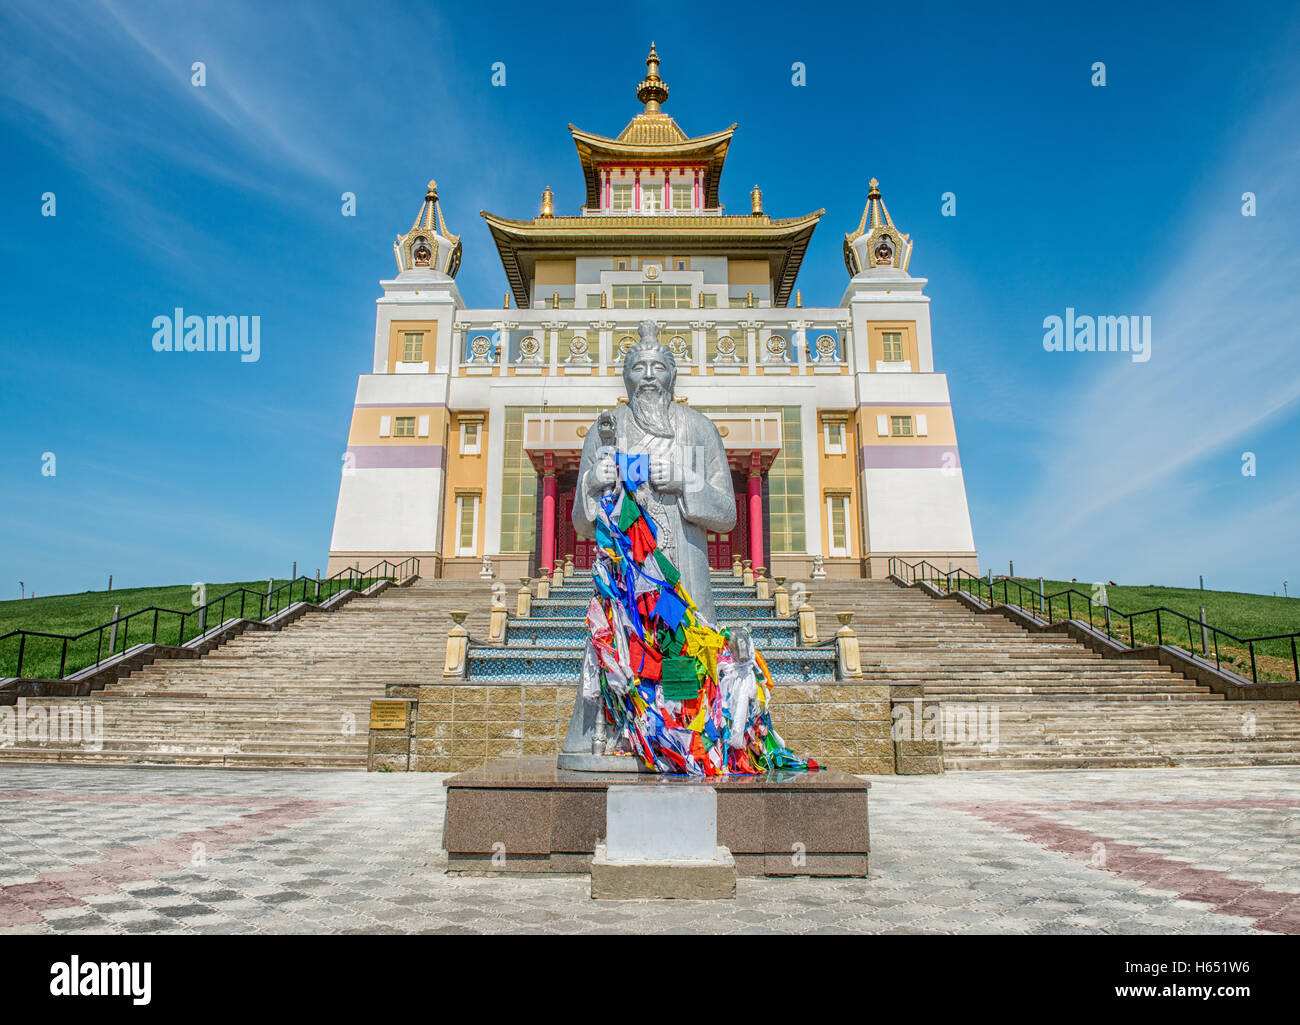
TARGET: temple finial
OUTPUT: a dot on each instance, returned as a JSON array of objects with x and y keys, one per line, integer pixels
[{"x": 652, "y": 91}]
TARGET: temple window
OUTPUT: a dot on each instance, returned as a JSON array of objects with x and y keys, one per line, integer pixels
[
  {"x": 900, "y": 426},
  {"x": 837, "y": 517},
  {"x": 469, "y": 439},
  {"x": 467, "y": 524},
  {"x": 834, "y": 430},
  {"x": 413, "y": 348},
  {"x": 403, "y": 427},
  {"x": 893, "y": 346},
  {"x": 638, "y": 297},
  {"x": 682, "y": 199},
  {"x": 621, "y": 197}
]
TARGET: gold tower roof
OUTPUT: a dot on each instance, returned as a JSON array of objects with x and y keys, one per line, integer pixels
[{"x": 653, "y": 137}]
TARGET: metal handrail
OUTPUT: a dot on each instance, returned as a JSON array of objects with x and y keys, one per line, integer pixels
[
  {"x": 269, "y": 603},
  {"x": 1040, "y": 604}
]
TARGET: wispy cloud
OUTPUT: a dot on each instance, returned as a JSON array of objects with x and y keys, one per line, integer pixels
[
  {"x": 1223, "y": 368},
  {"x": 279, "y": 118}
]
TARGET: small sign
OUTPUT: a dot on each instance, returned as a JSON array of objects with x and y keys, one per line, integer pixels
[{"x": 388, "y": 715}]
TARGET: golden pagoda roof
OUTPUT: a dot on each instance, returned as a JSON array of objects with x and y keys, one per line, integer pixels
[
  {"x": 651, "y": 130},
  {"x": 782, "y": 241},
  {"x": 653, "y": 137}
]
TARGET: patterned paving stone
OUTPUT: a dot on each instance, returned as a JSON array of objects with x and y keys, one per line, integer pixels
[{"x": 1043, "y": 853}]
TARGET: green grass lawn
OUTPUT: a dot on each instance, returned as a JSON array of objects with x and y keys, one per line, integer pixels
[
  {"x": 1244, "y": 615},
  {"x": 71, "y": 614}
]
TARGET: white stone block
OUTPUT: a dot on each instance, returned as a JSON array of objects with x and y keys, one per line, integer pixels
[{"x": 661, "y": 823}]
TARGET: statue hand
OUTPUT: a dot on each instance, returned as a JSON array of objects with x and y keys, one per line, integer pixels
[
  {"x": 661, "y": 477},
  {"x": 603, "y": 474}
]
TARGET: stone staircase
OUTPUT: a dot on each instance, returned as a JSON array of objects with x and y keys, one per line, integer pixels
[
  {"x": 1054, "y": 702},
  {"x": 298, "y": 697}
]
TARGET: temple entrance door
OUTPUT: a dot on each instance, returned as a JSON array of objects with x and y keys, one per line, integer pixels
[
  {"x": 582, "y": 549},
  {"x": 723, "y": 546}
]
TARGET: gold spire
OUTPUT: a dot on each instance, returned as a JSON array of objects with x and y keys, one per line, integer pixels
[
  {"x": 548, "y": 202},
  {"x": 756, "y": 201},
  {"x": 652, "y": 91}
]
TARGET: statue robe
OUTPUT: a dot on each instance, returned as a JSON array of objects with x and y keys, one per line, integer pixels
[{"x": 707, "y": 502}]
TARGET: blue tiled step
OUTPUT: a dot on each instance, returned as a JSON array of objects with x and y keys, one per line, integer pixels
[
  {"x": 560, "y": 632},
  {"x": 559, "y": 665},
  {"x": 582, "y": 591},
  {"x": 730, "y": 610},
  {"x": 740, "y": 609},
  {"x": 552, "y": 608},
  {"x": 787, "y": 665}
]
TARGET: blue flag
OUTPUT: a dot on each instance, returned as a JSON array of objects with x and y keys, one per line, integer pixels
[
  {"x": 635, "y": 469},
  {"x": 670, "y": 608}
]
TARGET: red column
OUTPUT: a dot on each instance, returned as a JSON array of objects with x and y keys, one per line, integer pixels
[
  {"x": 550, "y": 493},
  {"x": 755, "y": 516}
]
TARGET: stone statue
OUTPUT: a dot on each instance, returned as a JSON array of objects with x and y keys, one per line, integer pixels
[{"x": 688, "y": 492}]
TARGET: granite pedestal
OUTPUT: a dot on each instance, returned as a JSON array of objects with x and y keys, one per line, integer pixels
[{"x": 535, "y": 817}]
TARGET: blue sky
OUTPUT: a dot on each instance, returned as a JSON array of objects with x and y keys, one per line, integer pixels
[{"x": 1117, "y": 200}]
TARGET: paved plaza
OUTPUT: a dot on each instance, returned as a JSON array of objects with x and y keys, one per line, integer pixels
[{"x": 1152, "y": 851}]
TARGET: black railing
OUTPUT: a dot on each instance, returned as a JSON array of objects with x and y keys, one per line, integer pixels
[
  {"x": 1164, "y": 624},
  {"x": 175, "y": 626}
]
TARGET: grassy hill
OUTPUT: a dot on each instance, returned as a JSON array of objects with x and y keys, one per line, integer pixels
[
  {"x": 1236, "y": 612},
  {"x": 71, "y": 614}
]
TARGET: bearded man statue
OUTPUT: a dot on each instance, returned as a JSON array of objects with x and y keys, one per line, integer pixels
[{"x": 686, "y": 489}]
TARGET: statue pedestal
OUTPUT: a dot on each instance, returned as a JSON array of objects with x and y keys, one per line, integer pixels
[
  {"x": 536, "y": 817},
  {"x": 662, "y": 843},
  {"x": 650, "y": 879}
]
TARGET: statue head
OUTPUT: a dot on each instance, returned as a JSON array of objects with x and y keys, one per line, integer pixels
[{"x": 650, "y": 376}]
